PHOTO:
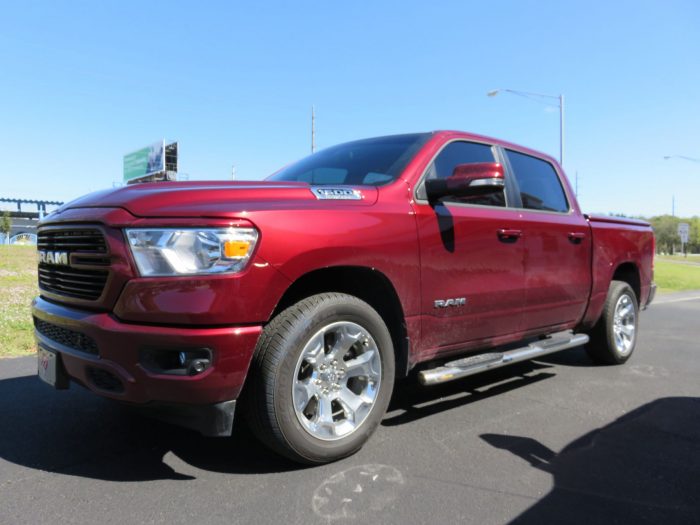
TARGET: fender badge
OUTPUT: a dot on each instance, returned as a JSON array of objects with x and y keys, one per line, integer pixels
[
  {"x": 446, "y": 303},
  {"x": 338, "y": 194}
]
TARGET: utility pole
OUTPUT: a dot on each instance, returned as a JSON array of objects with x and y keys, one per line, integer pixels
[
  {"x": 673, "y": 206},
  {"x": 537, "y": 97},
  {"x": 576, "y": 190},
  {"x": 313, "y": 129},
  {"x": 561, "y": 130},
  {"x": 233, "y": 172}
]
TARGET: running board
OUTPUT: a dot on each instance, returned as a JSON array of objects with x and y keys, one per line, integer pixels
[{"x": 481, "y": 363}]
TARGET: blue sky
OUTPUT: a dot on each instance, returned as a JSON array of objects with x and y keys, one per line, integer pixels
[{"x": 82, "y": 83}]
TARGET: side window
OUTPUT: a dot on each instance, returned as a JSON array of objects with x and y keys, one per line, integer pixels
[
  {"x": 540, "y": 187},
  {"x": 460, "y": 152}
]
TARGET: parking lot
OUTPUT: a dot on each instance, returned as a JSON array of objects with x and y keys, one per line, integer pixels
[{"x": 555, "y": 441}]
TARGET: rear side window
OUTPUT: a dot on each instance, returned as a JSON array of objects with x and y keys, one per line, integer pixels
[
  {"x": 461, "y": 152},
  {"x": 540, "y": 187}
]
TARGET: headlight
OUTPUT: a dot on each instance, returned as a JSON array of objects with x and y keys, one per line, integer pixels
[{"x": 180, "y": 251}]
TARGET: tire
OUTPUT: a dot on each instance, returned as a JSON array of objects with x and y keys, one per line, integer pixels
[
  {"x": 614, "y": 336},
  {"x": 321, "y": 378}
]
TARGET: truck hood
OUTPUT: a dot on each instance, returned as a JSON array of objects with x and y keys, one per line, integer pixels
[{"x": 214, "y": 198}]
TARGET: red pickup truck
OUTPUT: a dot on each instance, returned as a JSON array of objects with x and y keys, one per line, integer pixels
[{"x": 304, "y": 297}]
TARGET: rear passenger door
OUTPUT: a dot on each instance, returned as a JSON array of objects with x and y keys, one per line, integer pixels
[{"x": 557, "y": 245}]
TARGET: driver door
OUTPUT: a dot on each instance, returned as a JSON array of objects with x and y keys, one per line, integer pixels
[{"x": 463, "y": 257}]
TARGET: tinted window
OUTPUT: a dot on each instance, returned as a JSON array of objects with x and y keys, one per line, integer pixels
[
  {"x": 323, "y": 176},
  {"x": 460, "y": 152},
  {"x": 540, "y": 188},
  {"x": 371, "y": 161}
]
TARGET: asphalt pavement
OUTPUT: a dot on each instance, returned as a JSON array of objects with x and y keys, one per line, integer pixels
[{"x": 554, "y": 441}]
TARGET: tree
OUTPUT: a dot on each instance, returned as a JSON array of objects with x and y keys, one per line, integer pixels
[
  {"x": 6, "y": 223},
  {"x": 694, "y": 237},
  {"x": 666, "y": 231}
]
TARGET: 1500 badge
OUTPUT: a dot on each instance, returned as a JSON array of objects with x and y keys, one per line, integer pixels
[{"x": 346, "y": 194}]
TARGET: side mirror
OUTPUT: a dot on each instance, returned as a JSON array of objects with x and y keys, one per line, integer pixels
[{"x": 467, "y": 180}]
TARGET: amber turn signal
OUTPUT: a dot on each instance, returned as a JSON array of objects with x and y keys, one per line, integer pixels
[{"x": 236, "y": 249}]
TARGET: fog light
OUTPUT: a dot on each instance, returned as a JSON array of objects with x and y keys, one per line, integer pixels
[
  {"x": 176, "y": 362},
  {"x": 198, "y": 366}
]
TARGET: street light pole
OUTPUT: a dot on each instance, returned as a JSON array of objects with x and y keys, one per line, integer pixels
[{"x": 559, "y": 98}]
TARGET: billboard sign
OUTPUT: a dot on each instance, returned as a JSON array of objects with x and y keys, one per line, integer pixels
[{"x": 145, "y": 162}]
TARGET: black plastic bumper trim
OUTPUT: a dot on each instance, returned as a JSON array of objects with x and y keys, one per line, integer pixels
[
  {"x": 652, "y": 294},
  {"x": 214, "y": 420}
]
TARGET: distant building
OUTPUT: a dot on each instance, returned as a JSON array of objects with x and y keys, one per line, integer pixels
[{"x": 24, "y": 223}]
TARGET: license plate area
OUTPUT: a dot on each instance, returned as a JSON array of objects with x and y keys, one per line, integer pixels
[{"x": 50, "y": 368}]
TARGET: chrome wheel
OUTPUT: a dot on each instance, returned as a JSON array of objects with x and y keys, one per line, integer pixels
[
  {"x": 336, "y": 380},
  {"x": 624, "y": 324}
]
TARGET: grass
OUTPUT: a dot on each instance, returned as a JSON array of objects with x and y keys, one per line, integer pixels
[
  {"x": 692, "y": 258},
  {"x": 18, "y": 283},
  {"x": 674, "y": 277}
]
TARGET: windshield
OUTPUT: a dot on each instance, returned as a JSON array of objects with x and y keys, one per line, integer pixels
[{"x": 374, "y": 162}]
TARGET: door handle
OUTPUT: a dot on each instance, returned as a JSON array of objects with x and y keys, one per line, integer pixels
[
  {"x": 509, "y": 235},
  {"x": 576, "y": 237}
]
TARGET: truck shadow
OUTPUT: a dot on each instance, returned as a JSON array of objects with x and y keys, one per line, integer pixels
[
  {"x": 412, "y": 402},
  {"x": 642, "y": 468},
  {"x": 75, "y": 433}
]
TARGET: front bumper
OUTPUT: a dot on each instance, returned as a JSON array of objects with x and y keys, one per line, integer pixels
[{"x": 114, "y": 368}]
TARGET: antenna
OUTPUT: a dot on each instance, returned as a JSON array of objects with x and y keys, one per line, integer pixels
[{"x": 313, "y": 129}]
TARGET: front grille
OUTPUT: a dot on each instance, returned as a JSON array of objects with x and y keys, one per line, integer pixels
[
  {"x": 74, "y": 240},
  {"x": 66, "y": 337},
  {"x": 73, "y": 282},
  {"x": 85, "y": 246}
]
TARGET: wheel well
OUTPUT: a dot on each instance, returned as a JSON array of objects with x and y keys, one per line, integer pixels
[
  {"x": 629, "y": 273},
  {"x": 367, "y": 284}
]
